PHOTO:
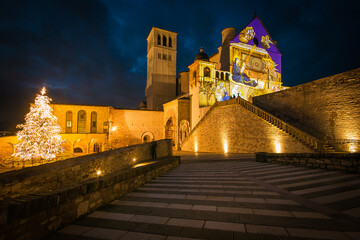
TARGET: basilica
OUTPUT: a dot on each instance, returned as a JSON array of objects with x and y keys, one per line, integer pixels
[{"x": 201, "y": 109}]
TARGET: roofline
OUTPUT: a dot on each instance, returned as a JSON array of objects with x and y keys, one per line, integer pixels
[
  {"x": 256, "y": 16},
  {"x": 161, "y": 30},
  {"x": 68, "y": 104},
  {"x": 136, "y": 109}
]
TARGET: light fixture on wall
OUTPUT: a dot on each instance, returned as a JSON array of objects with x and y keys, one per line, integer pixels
[
  {"x": 226, "y": 150},
  {"x": 134, "y": 159},
  {"x": 352, "y": 148},
  {"x": 277, "y": 147},
  {"x": 98, "y": 172}
]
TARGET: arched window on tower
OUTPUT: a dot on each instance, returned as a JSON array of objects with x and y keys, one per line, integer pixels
[
  {"x": 194, "y": 74},
  {"x": 170, "y": 42},
  {"x": 68, "y": 127},
  {"x": 206, "y": 72},
  {"x": 226, "y": 76},
  {"x": 159, "y": 39},
  {"x": 93, "y": 126},
  {"x": 222, "y": 76},
  {"x": 217, "y": 75},
  {"x": 81, "y": 126},
  {"x": 164, "y": 40}
]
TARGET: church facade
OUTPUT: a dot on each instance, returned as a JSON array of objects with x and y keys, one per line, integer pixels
[{"x": 246, "y": 65}]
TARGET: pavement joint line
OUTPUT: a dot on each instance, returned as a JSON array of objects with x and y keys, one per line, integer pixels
[
  {"x": 304, "y": 183},
  {"x": 326, "y": 187},
  {"x": 308, "y": 176},
  {"x": 224, "y": 209},
  {"x": 303, "y": 201}
]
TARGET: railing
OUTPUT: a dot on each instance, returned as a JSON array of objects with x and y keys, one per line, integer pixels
[{"x": 301, "y": 136}]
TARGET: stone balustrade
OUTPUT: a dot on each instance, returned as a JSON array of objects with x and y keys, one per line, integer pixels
[{"x": 346, "y": 162}]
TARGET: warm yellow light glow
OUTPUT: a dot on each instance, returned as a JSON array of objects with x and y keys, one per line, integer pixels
[
  {"x": 196, "y": 147},
  {"x": 39, "y": 137},
  {"x": 134, "y": 159},
  {"x": 113, "y": 129},
  {"x": 43, "y": 91},
  {"x": 98, "y": 172},
  {"x": 278, "y": 147},
  {"x": 226, "y": 150},
  {"x": 352, "y": 148},
  {"x": 142, "y": 164}
]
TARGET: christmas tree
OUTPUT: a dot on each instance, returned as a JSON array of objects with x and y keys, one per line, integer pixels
[{"x": 39, "y": 137}]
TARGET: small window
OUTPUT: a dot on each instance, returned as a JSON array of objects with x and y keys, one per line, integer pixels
[
  {"x": 93, "y": 122},
  {"x": 106, "y": 127},
  {"x": 164, "y": 57},
  {"x": 206, "y": 72},
  {"x": 169, "y": 58},
  {"x": 170, "y": 42},
  {"x": 217, "y": 74},
  {"x": 194, "y": 74},
  {"x": 164, "y": 41},
  {"x": 159, "y": 55},
  {"x": 68, "y": 127},
  {"x": 222, "y": 76},
  {"x": 226, "y": 76},
  {"x": 159, "y": 39}
]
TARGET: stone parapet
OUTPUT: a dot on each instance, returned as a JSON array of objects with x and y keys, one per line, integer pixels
[
  {"x": 346, "y": 162},
  {"x": 35, "y": 215},
  {"x": 50, "y": 177}
]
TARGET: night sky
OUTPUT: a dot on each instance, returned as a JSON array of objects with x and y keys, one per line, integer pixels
[{"x": 94, "y": 52}]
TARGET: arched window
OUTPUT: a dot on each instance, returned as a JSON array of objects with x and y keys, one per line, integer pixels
[
  {"x": 222, "y": 76},
  {"x": 217, "y": 74},
  {"x": 93, "y": 126},
  {"x": 226, "y": 76},
  {"x": 159, "y": 39},
  {"x": 194, "y": 74},
  {"x": 170, "y": 42},
  {"x": 81, "y": 125},
  {"x": 164, "y": 40},
  {"x": 78, "y": 150},
  {"x": 106, "y": 127},
  {"x": 206, "y": 72},
  {"x": 68, "y": 126}
]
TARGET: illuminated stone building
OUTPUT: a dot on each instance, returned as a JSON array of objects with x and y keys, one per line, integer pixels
[{"x": 221, "y": 104}]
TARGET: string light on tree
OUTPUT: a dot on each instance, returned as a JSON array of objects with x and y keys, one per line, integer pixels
[{"x": 39, "y": 137}]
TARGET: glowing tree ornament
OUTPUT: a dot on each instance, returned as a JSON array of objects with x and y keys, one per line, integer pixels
[{"x": 39, "y": 137}]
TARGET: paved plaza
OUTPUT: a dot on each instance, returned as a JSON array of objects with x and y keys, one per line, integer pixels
[{"x": 230, "y": 197}]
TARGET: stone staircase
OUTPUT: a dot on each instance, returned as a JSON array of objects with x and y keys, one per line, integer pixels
[{"x": 312, "y": 142}]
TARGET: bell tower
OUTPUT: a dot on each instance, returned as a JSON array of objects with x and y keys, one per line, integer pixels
[{"x": 161, "y": 68}]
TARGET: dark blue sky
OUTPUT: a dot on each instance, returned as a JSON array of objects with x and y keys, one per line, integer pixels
[{"x": 94, "y": 51}]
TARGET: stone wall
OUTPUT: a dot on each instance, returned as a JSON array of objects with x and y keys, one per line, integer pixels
[
  {"x": 51, "y": 176},
  {"x": 102, "y": 112},
  {"x": 348, "y": 162},
  {"x": 231, "y": 128},
  {"x": 33, "y": 216},
  {"x": 7, "y": 146},
  {"x": 132, "y": 125},
  {"x": 327, "y": 108}
]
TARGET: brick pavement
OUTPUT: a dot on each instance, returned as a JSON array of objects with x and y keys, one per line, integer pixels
[{"x": 230, "y": 199}]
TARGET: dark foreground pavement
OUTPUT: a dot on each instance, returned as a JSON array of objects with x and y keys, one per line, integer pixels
[{"x": 231, "y": 197}]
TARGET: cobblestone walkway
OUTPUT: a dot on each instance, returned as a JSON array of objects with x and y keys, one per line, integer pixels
[{"x": 230, "y": 199}]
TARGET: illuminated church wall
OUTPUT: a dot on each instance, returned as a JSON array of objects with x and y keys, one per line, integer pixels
[
  {"x": 326, "y": 108},
  {"x": 129, "y": 127},
  {"x": 253, "y": 66},
  {"x": 232, "y": 128}
]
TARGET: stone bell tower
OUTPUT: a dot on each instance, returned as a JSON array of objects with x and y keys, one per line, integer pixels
[{"x": 161, "y": 68}]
